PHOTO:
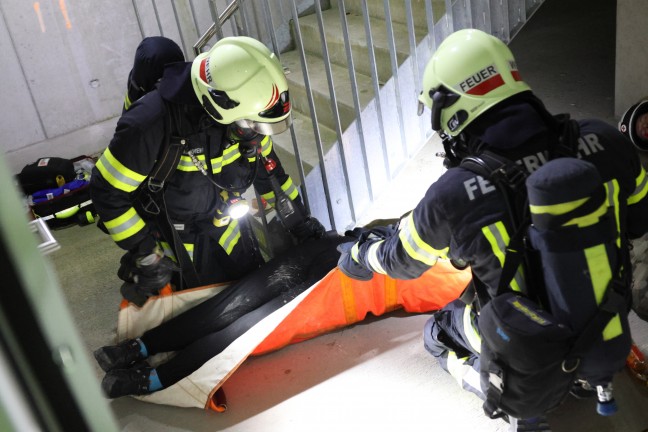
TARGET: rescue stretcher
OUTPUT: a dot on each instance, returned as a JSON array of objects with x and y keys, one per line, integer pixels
[{"x": 333, "y": 302}]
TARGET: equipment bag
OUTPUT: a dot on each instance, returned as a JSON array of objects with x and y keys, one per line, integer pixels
[
  {"x": 571, "y": 322},
  {"x": 69, "y": 203},
  {"x": 46, "y": 173}
]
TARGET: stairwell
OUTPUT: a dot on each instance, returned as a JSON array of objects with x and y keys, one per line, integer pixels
[{"x": 353, "y": 179}]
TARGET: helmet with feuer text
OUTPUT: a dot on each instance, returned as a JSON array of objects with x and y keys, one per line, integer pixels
[
  {"x": 239, "y": 80},
  {"x": 470, "y": 72}
]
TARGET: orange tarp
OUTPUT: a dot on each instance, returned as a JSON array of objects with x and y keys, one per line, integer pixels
[{"x": 338, "y": 301}]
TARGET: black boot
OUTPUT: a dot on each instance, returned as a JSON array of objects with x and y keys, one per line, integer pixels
[
  {"x": 123, "y": 382},
  {"x": 119, "y": 356}
]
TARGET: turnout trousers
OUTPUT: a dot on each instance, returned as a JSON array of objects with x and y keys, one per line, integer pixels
[{"x": 452, "y": 336}]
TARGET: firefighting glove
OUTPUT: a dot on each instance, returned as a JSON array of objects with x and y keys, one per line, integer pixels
[
  {"x": 350, "y": 266},
  {"x": 310, "y": 228},
  {"x": 154, "y": 271}
]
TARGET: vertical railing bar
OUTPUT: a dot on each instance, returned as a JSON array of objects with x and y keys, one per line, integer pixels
[
  {"x": 267, "y": 19},
  {"x": 468, "y": 7},
  {"x": 506, "y": 29},
  {"x": 376, "y": 86},
  {"x": 429, "y": 16},
  {"x": 217, "y": 26},
  {"x": 449, "y": 17},
  {"x": 245, "y": 23},
  {"x": 394, "y": 66},
  {"x": 488, "y": 24},
  {"x": 193, "y": 17},
  {"x": 411, "y": 32},
  {"x": 311, "y": 105},
  {"x": 356, "y": 97},
  {"x": 157, "y": 17},
  {"x": 300, "y": 166},
  {"x": 177, "y": 20},
  {"x": 334, "y": 108},
  {"x": 138, "y": 18},
  {"x": 270, "y": 29}
]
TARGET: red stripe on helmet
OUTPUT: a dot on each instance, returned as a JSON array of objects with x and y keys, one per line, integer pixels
[
  {"x": 516, "y": 75},
  {"x": 274, "y": 98},
  {"x": 203, "y": 75},
  {"x": 487, "y": 86}
]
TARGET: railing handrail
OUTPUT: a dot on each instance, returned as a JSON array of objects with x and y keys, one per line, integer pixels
[{"x": 213, "y": 29}]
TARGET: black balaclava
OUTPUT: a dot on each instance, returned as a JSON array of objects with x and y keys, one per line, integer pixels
[{"x": 152, "y": 54}]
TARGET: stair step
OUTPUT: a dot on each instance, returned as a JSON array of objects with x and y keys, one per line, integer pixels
[
  {"x": 335, "y": 41},
  {"x": 397, "y": 9},
  {"x": 319, "y": 86},
  {"x": 305, "y": 137}
]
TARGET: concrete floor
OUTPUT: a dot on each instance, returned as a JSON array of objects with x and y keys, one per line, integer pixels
[{"x": 376, "y": 376}]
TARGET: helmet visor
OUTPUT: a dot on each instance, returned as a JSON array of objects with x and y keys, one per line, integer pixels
[{"x": 266, "y": 128}]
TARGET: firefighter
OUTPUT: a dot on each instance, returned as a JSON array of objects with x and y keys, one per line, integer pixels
[
  {"x": 634, "y": 124},
  {"x": 478, "y": 101},
  {"x": 220, "y": 110},
  {"x": 151, "y": 55}
]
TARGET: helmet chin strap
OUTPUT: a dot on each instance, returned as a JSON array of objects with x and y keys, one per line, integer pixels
[{"x": 450, "y": 155}]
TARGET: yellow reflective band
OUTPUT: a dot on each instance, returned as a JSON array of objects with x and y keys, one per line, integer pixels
[
  {"x": 474, "y": 339},
  {"x": 127, "y": 102},
  {"x": 166, "y": 248},
  {"x": 589, "y": 219},
  {"x": 217, "y": 165},
  {"x": 230, "y": 237},
  {"x": 290, "y": 189},
  {"x": 117, "y": 174},
  {"x": 186, "y": 163},
  {"x": 600, "y": 274},
  {"x": 270, "y": 198},
  {"x": 266, "y": 145},
  {"x": 124, "y": 226},
  {"x": 372, "y": 257},
  {"x": 415, "y": 246},
  {"x": 641, "y": 189},
  {"x": 457, "y": 367},
  {"x": 558, "y": 209},
  {"x": 498, "y": 238},
  {"x": 231, "y": 154},
  {"x": 612, "y": 190}
]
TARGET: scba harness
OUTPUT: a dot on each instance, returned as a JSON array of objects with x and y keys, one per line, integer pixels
[{"x": 560, "y": 311}]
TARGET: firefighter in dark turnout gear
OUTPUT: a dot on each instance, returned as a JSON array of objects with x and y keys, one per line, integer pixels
[
  {"x": 221, "y": 110},
  {"x": 478, "y": 101}
]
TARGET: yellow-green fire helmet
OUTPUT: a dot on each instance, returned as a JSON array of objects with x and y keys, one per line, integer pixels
[
  {"x": 239, "y": 80},
  {"x": 469, "y": 73}
]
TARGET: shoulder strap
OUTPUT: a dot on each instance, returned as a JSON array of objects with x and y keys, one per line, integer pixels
[
  {"x": 169, "y": 156},
  {"x": 568, "y": 132},
  {"x": 153, "y": 202},
  {"x": 509, "y": 179}
]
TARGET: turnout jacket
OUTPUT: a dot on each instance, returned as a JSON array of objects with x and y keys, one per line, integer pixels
[
  {"x": 463, "y": 216},
  {"x": 191, "y": 199}
]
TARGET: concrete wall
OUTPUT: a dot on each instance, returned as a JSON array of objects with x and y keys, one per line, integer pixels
[
  {"x": 65, "y": 63},
  {"x": 631, "y": 54},
  {"x": 64, "y": 68}
]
